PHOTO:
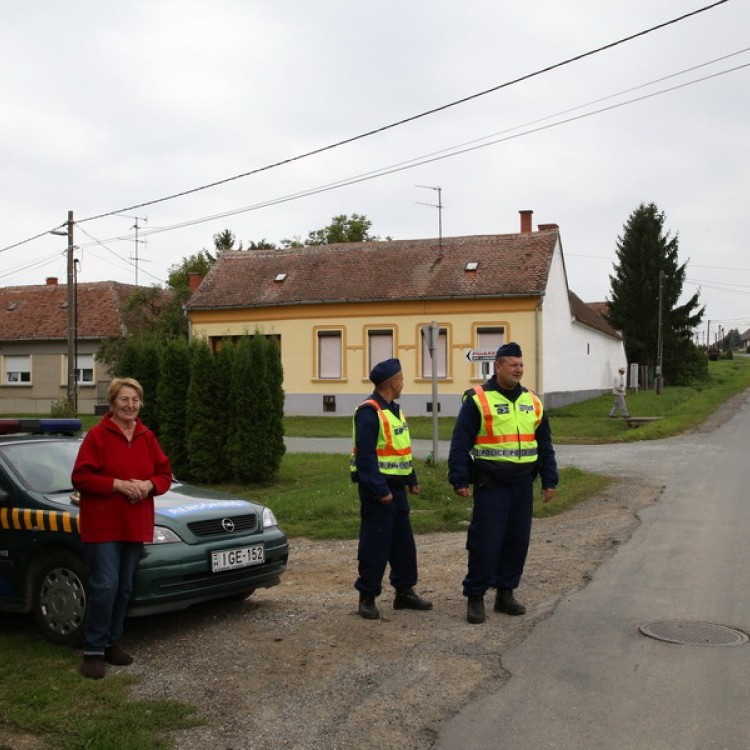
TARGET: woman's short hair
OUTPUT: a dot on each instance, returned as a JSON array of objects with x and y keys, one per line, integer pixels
[{"x": 118, "y": 384}]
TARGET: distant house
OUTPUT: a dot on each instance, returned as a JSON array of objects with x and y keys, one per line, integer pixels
[
  {"x": 33, "y": 343},
  {"x": 338, "y": 309},
  {"x": 746, "y": 339}
]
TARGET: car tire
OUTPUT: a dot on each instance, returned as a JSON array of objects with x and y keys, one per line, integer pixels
[{"x": 60, "y": 597}]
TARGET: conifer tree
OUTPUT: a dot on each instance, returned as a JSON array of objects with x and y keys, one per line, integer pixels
[
  {"x": 647, "y": 260},
  {"x": 203, "y": 415},
  {"x": 225, "y": 425},
  {"x": 171, "y": 406}
]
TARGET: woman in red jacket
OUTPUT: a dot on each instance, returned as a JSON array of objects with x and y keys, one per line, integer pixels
[{"x": 119, "y": 468}]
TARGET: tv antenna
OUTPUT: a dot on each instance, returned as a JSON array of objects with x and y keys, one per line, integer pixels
[
  {"x": 439, "y": 207},
  {"x": 136, "y": 227}
]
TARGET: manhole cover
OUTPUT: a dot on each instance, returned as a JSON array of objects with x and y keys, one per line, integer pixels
[{"x": 692, "y": 633}]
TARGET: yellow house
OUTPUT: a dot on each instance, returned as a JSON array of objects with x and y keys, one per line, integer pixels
[{"x": 336, "y": 310}]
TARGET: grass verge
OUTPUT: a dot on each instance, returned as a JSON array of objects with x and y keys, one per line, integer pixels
[
  {"x": 314, "y": 497},
  {"x": 41, "y": 693}
]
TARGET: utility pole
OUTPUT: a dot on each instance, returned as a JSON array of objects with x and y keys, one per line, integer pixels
[
  {"x": 72, "y": 315},
  {"x": 135, "y": 257},
  {"x": 660, "y": 339}
]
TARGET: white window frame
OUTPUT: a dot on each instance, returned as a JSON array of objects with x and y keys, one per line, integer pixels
[
  {"x": 15, "y": 367},
  {"x": 488, "y": 337},
  {"x": 84, "y": 366},
  {"x": 380, "y": 346},
  {"x": 441, "y": 350},
  {"x": 330, "y": 347}
]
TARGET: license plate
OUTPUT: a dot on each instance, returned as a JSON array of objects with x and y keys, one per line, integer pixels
[{"x": 242, "y": 557}]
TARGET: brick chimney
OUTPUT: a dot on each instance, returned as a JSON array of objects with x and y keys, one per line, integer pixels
[
  {"x": 51, "y": 281},
  {"x": 194, "y": 281},
  {"x": 526, "y": 221}
]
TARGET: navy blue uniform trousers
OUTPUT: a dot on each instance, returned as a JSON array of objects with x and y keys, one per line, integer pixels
[
  {"x": 386, "y": 538},
  {"x": 498, "y": 536}
]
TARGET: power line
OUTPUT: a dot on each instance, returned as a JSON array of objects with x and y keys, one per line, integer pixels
[
  {"x": 434, "y": 156},
  {"x": 412, "y": 118},
  {"x": 384, "y": 128}
]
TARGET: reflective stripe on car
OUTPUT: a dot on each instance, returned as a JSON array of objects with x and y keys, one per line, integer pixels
[{"x": 17, "y": 519}]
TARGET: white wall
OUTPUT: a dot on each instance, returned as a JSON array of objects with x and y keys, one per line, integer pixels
[{"x": 579, "y": 361}]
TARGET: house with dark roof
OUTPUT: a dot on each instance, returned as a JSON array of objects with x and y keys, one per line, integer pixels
[
  {"x": 442, "y": 306},
  {"x": 34, "y": 343}
]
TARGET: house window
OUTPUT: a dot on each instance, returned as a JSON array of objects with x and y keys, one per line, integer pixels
[
  {"x": 329, "y": 355},
  {"x": 488, "y": 338},
  {"x": 84, "y": 369},
  {"x": 17, "y": 369},
  {"x": 441, "y": 353},
  {"x": 379, "y": 347}
]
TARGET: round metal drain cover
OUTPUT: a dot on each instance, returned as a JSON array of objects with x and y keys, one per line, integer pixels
[{"x": 693, "y": 633}]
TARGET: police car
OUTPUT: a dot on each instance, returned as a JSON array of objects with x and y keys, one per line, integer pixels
[{"x": 207, "y": 545}]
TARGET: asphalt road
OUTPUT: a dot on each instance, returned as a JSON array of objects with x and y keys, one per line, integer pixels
[{"x": 587, "y": 678}]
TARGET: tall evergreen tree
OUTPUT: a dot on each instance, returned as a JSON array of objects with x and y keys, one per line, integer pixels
[
  {"x": 242, "y": 440},
  {"x": 646, "y": 259},
  {"x": 203, "y": 413},
  {"x": 172, "y": 398},
  {"x": 275, "y": 426},
  {"x": 148, "y": 371},
  {"x": 225, "y": 425}
]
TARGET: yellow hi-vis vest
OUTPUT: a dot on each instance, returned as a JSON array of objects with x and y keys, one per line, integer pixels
[
  {"x": 508, "y": 430},
  {"x": 394, "y": 445}
]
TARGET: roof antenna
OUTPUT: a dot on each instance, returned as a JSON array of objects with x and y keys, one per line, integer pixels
[{"x": 439, "y": 207}]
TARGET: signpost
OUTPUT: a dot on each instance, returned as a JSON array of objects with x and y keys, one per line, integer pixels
[{"x": 481, "y": 355}]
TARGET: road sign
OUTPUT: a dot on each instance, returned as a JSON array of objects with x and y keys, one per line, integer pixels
[{"x": 481, "y": 355}]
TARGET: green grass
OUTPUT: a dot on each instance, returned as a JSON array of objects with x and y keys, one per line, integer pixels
[
  {"x": 314, "y": 497},
  {"x": 41, "y": 693}
]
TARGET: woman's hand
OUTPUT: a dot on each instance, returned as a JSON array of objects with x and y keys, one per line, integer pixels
[{"x": 134, "y": 490}]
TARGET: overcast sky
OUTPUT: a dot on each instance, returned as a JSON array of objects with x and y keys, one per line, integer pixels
[{"x": 106, "y": 106}]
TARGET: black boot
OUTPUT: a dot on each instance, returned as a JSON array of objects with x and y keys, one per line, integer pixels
[
  {"x": 409, "y": 599},
  {"x": 367, "y": 608},
  {"x": 505, "y": 602},
  {"x": 475, "y": 609}
]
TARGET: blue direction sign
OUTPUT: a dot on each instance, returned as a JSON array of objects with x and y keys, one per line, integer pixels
[{"x": 481, "y": 355}]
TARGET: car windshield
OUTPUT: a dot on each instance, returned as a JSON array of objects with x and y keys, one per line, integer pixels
[{"x": 43, "y": 465}]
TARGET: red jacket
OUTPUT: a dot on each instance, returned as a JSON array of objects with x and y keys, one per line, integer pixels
[{"x": 106, "y": 455}]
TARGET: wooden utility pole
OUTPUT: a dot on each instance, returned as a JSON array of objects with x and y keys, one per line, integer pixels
[
  {"x": 72, "y": 322},
  {"x": 660, "y": 339}
]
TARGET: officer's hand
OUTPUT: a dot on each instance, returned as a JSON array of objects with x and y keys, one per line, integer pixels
[
  {"x": 414, "y": 489},
  {"x": 387, "y": 500},
  {"x": 548, "y": 494},
  {"x": 462, "y": 491}
]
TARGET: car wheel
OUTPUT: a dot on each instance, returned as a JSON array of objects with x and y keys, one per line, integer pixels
[{"x": 60, "y": 598}]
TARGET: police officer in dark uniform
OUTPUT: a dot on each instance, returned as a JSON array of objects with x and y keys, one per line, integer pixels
[
  {"x": 383, "y": 467},
  {"x": 501, "y": 441}
]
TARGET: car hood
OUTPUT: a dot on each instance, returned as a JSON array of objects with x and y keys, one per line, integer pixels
[{"x": 198, "y": 503}]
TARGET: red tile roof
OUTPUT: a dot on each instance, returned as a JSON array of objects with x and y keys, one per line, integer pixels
[
  {"x": 508, "y": 265},
  {"x": 40, "y": 312},
  {"x": 589, "y": 314}
]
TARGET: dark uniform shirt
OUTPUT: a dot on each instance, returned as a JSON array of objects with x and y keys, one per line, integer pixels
[
  {"x": 464, "y": 470},
  {"x": 366, "y": 430}
]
